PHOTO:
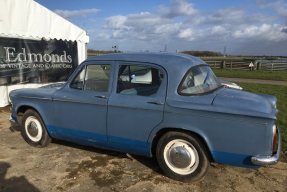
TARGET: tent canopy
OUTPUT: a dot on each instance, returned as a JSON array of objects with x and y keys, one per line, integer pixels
[{"x": 27, "y": 19}]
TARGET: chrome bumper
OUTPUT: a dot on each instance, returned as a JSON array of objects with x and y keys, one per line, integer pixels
[{"x": 268, "y": 160}]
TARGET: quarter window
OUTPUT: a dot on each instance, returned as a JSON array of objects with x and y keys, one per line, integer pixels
[
  {"x": 199, "y": 79},
  {"x": 138, "y": 80},
  {"x": 93, "y": 78}
]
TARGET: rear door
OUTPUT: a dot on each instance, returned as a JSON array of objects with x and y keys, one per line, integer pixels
[{"x": 136, "y": 105}]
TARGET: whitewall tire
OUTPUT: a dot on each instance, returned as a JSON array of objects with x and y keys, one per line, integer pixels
[
  {"x": 33, "y": 129},
  {"x": 182, "y": 156}
]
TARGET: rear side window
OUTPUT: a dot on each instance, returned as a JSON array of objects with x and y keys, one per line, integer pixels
[
  {"x": 93, "y": 78},
  {"x": 140, "y": 80}
]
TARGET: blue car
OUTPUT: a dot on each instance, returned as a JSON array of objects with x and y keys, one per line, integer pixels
[{"x": 168, "y": 106}]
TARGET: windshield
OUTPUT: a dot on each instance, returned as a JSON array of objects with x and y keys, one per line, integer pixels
[{"x": 199, "y": 79}]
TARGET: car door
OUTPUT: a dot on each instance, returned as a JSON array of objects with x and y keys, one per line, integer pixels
[
  {"x": 81, "y": 106},
  {"x": 136, "y": 105}
]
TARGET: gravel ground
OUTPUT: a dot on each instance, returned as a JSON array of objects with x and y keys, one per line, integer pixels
[{"x": 64, "y": 166}]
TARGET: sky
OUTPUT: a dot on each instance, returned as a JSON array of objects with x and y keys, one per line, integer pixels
[{"x": 243, "y": 27}]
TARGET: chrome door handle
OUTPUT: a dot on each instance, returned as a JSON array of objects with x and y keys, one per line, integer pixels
[
  {"x": 155, "y": 102},
  {"x": 101, "y": 96}
]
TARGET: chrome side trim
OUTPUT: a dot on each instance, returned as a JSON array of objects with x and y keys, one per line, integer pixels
[
  {"x": 74, "y": 101},
  {"x": 268, "y": 160},
  {"x": 31, "y": 97}
]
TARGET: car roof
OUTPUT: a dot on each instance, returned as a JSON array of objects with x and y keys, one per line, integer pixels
[
  {"x": 176, "y": 65},
  {"x": 164, "y": 59}
]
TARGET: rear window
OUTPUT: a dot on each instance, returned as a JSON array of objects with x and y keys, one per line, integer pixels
[{"x": 198, "y": 80}]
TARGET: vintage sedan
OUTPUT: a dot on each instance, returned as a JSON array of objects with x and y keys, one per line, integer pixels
[{"x": 168, "y": 106}]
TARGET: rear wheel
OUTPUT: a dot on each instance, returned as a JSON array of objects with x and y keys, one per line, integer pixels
[
  {"x": 182, "y": 156},
  {"x": 33, "y": 129}
]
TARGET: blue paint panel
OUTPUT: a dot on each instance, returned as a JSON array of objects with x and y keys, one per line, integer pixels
[
  {"x": 233, "y": 159},
  {"x": 66, "y": 133},
  {"x": 99, "y": 140},
  {"x": 129, "y": 145}
]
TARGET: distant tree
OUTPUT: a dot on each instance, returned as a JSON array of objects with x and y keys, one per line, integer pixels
[
  {"x": 203, "y": 53},
  {"x": 92, "y": 52}
]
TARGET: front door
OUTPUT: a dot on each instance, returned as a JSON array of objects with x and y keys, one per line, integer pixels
[
  {"x": 136, "y": 106},
  {"x": 81, "y": 106}
]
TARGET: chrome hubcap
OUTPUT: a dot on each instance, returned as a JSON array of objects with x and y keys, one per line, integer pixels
[
  {"x": 33, "y": 129},
  {"x": 181, "y": 157}
]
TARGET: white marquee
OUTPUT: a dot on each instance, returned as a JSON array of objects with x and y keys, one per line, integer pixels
[{"x": 27, "y": 19}]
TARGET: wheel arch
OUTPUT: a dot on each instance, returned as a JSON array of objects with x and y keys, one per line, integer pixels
[
  {"x": 22, "y": 109},
  {"x": 162, "y": 131}
]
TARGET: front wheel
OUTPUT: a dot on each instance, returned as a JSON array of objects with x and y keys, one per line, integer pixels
[
  {"x": 182, "y": 156},
  {"x": 33, "y": 129}
]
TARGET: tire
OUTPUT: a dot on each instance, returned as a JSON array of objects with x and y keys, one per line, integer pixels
[
  {"x": 181, "y": 156},
  {"x": 33, "y": 129}
]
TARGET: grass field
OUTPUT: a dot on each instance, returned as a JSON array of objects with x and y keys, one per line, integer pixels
[
  {"x": 281, "y": 93},
  {"x": 276, "y": 75}
]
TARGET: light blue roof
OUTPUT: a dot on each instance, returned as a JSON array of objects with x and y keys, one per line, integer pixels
[
  {"x": 163, "y": 59},
  {"x": 176, "y": 65}
]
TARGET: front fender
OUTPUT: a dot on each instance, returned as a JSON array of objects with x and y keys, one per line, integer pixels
[{"x": 44, "y": 107}]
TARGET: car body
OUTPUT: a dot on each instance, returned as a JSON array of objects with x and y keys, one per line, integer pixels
[{"x": 163, "y": 105}]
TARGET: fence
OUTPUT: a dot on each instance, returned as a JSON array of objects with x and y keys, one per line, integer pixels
[
  {"x": 268, "y": 65},
  {"x": 275, "y": 65}
]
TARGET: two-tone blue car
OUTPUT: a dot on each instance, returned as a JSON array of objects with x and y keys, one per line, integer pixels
[{"x": 168, "y": 106}]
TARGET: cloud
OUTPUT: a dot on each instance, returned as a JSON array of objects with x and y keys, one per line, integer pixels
[
  {"x": 179, "y": 25},
  {"x": 234, "y": 17},
  {"x": 284, "y": 30},
  {"x": 144, "y": 25},
  {"x": 76, "y": 13},
  {"x": 264, "y": 32},
  {"x": 153, "y": 26},
  {"x": 177, "y": 8},
  {"x": 264, "y": 3},
  {"x": 116, "y": 22},
  {"x": 259, "y": 47},
  {"x": 186, "y": 34},
  {"x": 279, "y": 6},
  {"x": 230, "y": 14}
]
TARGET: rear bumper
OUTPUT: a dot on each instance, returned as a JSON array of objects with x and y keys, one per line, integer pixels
[{"x": 268, "y": 160}]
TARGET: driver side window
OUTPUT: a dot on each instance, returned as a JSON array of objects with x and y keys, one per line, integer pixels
[{"x": 93, "y": 78}]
